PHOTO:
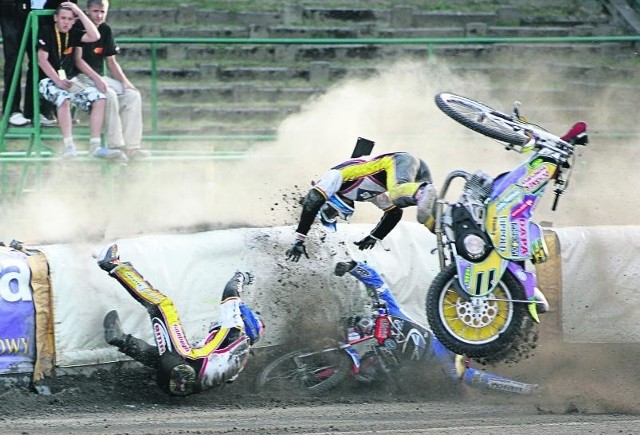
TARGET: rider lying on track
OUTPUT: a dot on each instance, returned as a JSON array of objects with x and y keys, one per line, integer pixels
[
  {"x": 181, "y": 368},
  {"x": 453, "y": 365}
]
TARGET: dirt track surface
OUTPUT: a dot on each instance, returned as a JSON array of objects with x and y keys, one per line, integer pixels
[
  {"x": 353, "y": 417},
  {"x": 583, "y": 389}
]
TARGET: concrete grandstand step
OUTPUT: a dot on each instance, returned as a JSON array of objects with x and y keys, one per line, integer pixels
[
  {"x": 359, "y": 15},
  {"x": 210, "y": 32},
  {"x": 349, "y": 52},
  {"x": 227, "y": 113},
  {"x": 142, "y": 52},
  {"x": 208, "y": 18},
  {"x": 250, "y": 53},
  {"x": 317, "y": 31},
  {"x": 527, "y": 31},
  {"x": 283, "y": 53},
  {"x": 225, "y": 73},
  {"x": 452, "y": 19},
  {"x": 119, "y": 16},
  {"x": 221, "y": 128},
  {"x": 564, "y": 21},
  {"x": 422, "y": 32},
  {"x": 166, "y": 73},
  {"x": 239, "y": 92}
]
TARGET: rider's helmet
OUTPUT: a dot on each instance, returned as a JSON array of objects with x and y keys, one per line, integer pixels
[
  {"x": 183, "y": 380},
  {"x": 335, "y": 207}
]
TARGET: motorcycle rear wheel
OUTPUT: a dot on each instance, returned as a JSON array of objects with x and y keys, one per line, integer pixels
[
  {"x": 316, "y": 373},
  {"x": 481, "y": 118},
  {"x": 498, "y": 331}
]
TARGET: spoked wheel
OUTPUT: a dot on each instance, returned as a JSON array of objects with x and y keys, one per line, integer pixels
[
  {"x": 315, "y": 372},
  {"x": 489, "y": 329},
  {"x": 482, "y": 118}
]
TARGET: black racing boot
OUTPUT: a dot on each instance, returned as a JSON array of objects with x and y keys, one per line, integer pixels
[{"x": 113, "y": 333}]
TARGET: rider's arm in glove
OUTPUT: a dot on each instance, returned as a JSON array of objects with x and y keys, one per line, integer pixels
[
  {"x": 310, "y": 208},
  {"x": 387, "y": 222},
  {"x": 297, "y": 249},
  {"x": 343, "y": 267}
]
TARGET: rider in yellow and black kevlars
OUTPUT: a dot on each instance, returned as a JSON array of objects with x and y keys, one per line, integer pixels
[
  {"x": 183, "y": 369},
  {"x": 392, "y": 181}
]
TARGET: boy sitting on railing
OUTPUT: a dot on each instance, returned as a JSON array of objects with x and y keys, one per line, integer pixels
[{"x": 55, "y": 58}]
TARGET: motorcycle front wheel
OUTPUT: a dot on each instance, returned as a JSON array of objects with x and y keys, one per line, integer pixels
[
  {"x": 315, "y": 372},
  {"x": 489, "y": 329},
  {"x": 481, "y": 118}
]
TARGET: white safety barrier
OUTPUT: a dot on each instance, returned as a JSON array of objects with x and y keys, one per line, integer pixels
[
  {"x": 600, "y": 284},
  {"x": 193, "y": 269}
]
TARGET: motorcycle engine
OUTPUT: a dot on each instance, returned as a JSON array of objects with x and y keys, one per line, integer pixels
[{"x": 466, "y": 220}]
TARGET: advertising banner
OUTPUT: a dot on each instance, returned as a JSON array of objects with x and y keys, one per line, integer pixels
[{"x": 17, "y": 313}]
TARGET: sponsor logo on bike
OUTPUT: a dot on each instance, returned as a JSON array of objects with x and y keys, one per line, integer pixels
[
  {"x": 509, "y": 385},
  {"x": 503, "y": 226},
  {"x": 534, "y": 180},
  {"x": 512, "y": 196},
  {"x": 514, "y": 239},
  {"x": 519, "y": 238},
  {"x": 522, "y": 208},
  {"x": 524, "y": 236}
]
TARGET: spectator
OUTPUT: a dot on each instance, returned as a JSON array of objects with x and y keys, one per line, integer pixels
[
  {"x": 47, "y": 109},
  {"x": 55, "y": 59},
  {"x": 123, "y": 115},
  {"x": 13, "y": 20}
]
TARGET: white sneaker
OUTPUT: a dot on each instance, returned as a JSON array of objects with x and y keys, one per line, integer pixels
[
  {"x": 46, "y": 122},
  {"x": 109, "y": 154},
  {"x": 17, "y": 119},
  {"x": 69, "y": 152},
  {"x": 137, "y": 153}
]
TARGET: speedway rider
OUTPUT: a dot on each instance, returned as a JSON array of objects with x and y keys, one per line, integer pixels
[
  {"x": 181, "y": 368},
  {"x": 453, "y": 365},
  {"x": 391, "y": 181}
]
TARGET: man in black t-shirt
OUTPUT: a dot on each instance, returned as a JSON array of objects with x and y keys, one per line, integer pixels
[
  {"x": 123, "y": 115},
  {"x": 55, "y": 58}
]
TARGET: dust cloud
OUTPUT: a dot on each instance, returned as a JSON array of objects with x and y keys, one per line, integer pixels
[{"x": 394, "y": 108}]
